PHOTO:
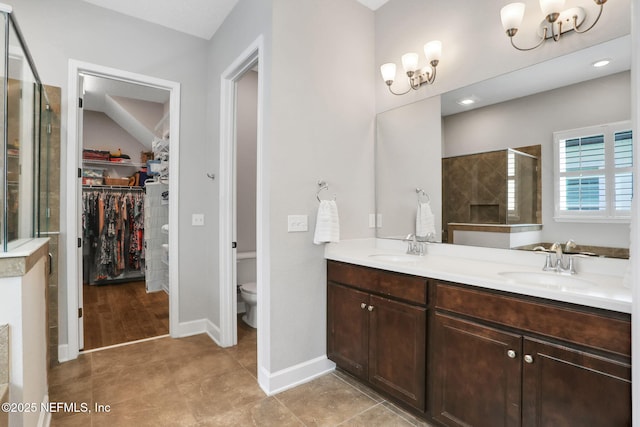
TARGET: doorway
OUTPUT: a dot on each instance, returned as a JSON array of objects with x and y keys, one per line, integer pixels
[
  {"x": 82, "y": 78},
  {"x": 248, "y": 60},
  {"x": 245, "y": 195},
  {"x": 124, "y": 139}
]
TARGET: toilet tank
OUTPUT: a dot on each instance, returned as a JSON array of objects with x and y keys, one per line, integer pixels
[{"x": 246, "y": 267}]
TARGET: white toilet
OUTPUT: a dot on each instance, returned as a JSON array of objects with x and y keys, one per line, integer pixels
[{"x": 250, "y": 297}]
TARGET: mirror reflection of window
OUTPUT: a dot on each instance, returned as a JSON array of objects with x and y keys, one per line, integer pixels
[{"x": 594, "y": 173}]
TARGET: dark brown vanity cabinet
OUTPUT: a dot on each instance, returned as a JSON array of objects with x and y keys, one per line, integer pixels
[
  {"x": 500, "y": 360},
  {"x": 377, "y": 329}
]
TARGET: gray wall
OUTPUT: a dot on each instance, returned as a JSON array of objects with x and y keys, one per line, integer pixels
[
  {"x": 99, "y": 132},
  {"x": 531, "y": 121},
  {"x": 322, "y": 128},
  {"x": 408, "y": 156},
  {"x": 318, "y": 121},
  {"x": 57, "y": 31}
]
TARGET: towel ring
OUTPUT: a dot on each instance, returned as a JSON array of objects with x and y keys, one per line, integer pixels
[
  {"x": 421, "y": 193},
  {"x": 322, "y": 185}
]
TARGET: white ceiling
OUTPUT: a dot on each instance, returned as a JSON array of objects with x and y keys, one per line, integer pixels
[
  {"x": 96, "y": 88},
  {"x": 373, "y": 4},
  {"x": 200, "y": 18}
]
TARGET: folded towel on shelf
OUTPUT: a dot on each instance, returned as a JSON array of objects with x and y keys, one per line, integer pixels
[
  {"x": 425, "y": 221},
  {"x": 327, "y": 223}
]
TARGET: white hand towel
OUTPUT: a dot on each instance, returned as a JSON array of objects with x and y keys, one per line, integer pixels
[
  {"x": 327, "y": 223},
  {"x": 425, "y": 221}
]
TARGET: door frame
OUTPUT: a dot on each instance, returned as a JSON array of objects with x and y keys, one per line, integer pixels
[
  {"x": 251, "y": 56},
  {"x": 74, "y": 194}
]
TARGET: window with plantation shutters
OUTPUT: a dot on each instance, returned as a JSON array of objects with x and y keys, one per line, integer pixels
[{"x": 594, "y": 173}]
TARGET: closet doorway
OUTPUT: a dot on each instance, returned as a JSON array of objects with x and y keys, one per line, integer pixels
[
  {"x": 125, "y": 211},
  {"x": 124, "y": 140}
]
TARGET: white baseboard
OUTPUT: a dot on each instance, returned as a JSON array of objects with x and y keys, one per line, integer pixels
[
  {"x": 202, "y": 326},
  {"x": 63, "y": 353},
  {"x": 194, "y": 327},
  {"x": 214, "y": 332},
  {"x": 295, "y": 375}
]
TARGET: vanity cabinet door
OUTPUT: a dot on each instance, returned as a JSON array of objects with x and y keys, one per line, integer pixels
[
  {"x": 397, "y": 348},
  {"x": 348, "y": 329},
  {"x": 567, "y": 387},
  {"x": 476, "y": 377}
]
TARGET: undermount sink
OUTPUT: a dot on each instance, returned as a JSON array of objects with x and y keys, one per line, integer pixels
[
  {"x": 546, "y": 280},
  {"x": 394, "y": 257}
]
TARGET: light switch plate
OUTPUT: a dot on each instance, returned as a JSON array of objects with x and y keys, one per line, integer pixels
[
  {"x": 197, "y": 220},
  {"x": 297, "y": 223},
  {"x": 372, "y": 220}
]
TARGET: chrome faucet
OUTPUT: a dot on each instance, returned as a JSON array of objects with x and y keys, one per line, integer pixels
[
  {"x": 560, "y": 265},
  {"x": 414, "y": 247}
]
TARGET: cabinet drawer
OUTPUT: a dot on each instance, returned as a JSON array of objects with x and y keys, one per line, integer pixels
[
  {"x": 397, "y": 285},
  {"x": 564, "y": 323}
]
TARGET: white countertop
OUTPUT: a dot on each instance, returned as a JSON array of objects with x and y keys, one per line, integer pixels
[{"x": 602, "y": 280}]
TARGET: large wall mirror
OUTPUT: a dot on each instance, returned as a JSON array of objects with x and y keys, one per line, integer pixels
[{"x": 519, "y": 110}]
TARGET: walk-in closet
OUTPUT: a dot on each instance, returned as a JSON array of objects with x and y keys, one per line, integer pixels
[{"x": 125, "y": 212}]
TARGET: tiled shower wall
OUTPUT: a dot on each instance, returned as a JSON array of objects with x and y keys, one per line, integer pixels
[
  {"x": 50, "y": 207},
  {"x": 474, "y": 188}
]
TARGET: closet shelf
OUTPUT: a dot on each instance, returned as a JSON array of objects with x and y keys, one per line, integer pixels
[{"x": 115, "y": 164}]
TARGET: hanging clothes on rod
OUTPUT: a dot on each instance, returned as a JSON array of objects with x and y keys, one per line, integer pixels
[{"x": 113, "y": 233}]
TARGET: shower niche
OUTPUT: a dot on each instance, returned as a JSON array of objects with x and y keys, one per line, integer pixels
[{"x": 492, "y": 192}]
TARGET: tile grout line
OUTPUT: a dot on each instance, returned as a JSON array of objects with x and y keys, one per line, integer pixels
[
  {"x": 362, "y": 412},
  {"x": 275, "y": 396}
]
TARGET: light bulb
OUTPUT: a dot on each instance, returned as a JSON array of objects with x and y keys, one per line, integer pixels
[
  {"x": 410, "y": 62},
  {"x": 388, "y": 72},
  {"x": 433, "y": 50},
  {"x": 550, "y": 7},
  {"x": 512, "y": 15}
]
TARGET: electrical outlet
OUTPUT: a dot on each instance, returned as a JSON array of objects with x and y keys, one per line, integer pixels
[
  {"x": 379, "y": 221},
  {"x": 372, "y": 220},
  {"x": 297, "y": 223},
  {"x": 197, "y": 220}
]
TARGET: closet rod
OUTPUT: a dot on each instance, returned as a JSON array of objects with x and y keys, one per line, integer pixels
[{"x": 111, "y": 188}]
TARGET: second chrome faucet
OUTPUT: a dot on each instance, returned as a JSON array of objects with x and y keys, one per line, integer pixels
[
  {"x": 563, "y": 262},
  {"x": 414, "y": 247}
]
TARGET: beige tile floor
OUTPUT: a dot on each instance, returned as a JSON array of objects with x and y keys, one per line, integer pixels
[{"x": 193, "y": 382}]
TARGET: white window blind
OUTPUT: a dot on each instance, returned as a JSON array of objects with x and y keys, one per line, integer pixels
[{"x": 593, "y": 173}]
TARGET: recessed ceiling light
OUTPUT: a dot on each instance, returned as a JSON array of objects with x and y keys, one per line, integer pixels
[
  {"x": 601, "y": 63},
  {"x": 466, "y": 101}
]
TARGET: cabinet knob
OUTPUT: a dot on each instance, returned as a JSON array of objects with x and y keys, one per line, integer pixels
[
  {"x": 363, "y": 305},
  {"x": 528, "y": 358},
  {"x": 511, "y": 354},
  {"x": 370, "y": 308}
]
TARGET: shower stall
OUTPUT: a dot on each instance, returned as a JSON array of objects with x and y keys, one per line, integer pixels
[
  {"x": 24, "y": 115},
  {"x": 487, "y": 190}
]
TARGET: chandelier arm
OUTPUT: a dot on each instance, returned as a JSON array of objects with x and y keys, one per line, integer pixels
[
  {"x": 575, "y": 21},
  {"x": 432, "y": 76},
  {"x": 403, "y": 93},
  {"x": 544, "y": 38}
]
